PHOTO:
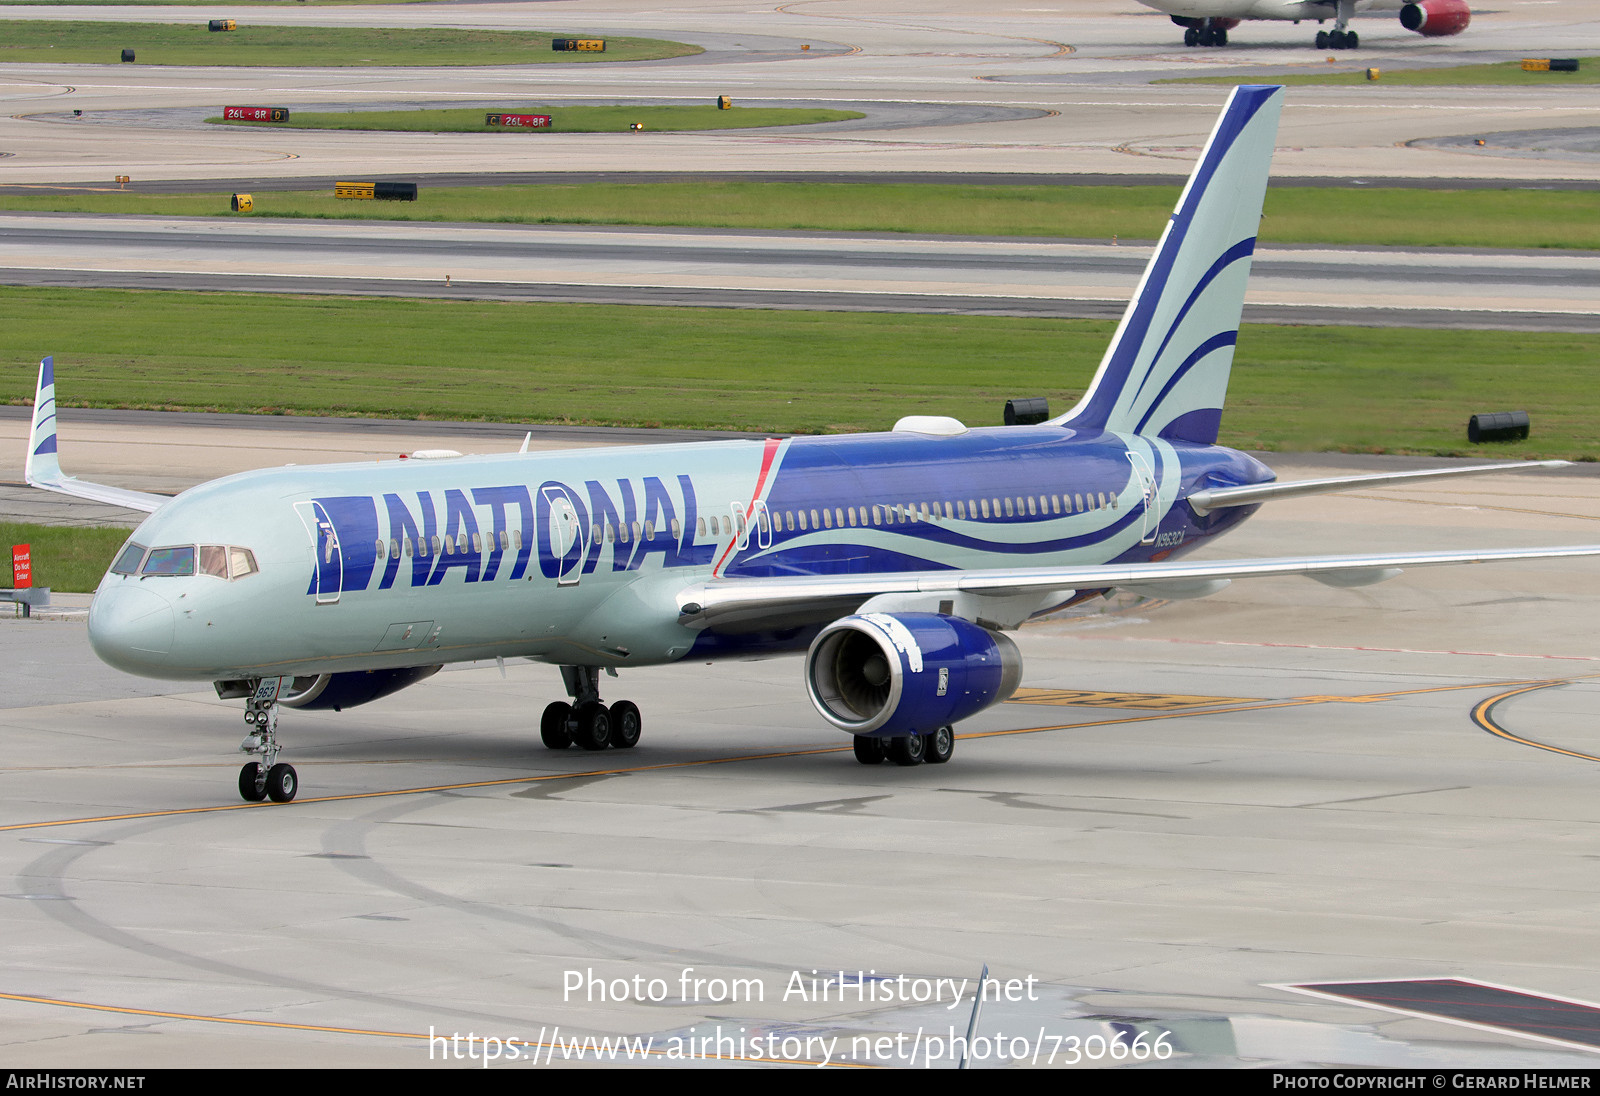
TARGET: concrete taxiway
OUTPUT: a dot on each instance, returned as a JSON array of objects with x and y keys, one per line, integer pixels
[
  {"x": 1192, "y": 804},
  {"x": 1198, "y": 802}
]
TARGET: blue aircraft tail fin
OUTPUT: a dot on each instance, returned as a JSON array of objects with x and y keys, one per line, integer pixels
[{"x": 1166, "y": 370}]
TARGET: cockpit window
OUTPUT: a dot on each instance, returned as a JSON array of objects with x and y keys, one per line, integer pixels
[
  {"x": 170, "y": 561},
  {"x": 243, "y": 562},
  {"x": 214, "y": 560},
  {"x": 128, "y": 559}
]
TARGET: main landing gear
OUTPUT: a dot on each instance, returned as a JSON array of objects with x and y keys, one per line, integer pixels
[
  {"x": 1205, "y": 35},
  {"x": 586, "y": 721},
  {"x": 935, "y": 748},
  {"x": 265, "y": 779},
  {"x": 1342, "y": 37}
]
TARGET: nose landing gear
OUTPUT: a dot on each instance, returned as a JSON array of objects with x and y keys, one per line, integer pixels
[{"x": 267, "y": 778}]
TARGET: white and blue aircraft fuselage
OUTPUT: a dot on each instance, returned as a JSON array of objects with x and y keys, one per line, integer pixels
[{"x": 897, "y": 561}]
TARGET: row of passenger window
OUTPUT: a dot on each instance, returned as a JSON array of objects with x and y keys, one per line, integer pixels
[
  {"x": 959, "y": 510},
  {"x": 218, "y": 560},
  {"x": 788, "y": 521},
  {"x": 510, "y": 540}
]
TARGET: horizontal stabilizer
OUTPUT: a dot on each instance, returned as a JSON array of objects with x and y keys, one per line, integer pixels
[{"x": 1219, "y": 497}]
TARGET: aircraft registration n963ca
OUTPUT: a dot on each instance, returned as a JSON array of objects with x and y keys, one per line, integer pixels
[{"x": 896, "y": 561}]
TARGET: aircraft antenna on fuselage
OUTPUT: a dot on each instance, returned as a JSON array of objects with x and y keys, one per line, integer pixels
[{"x": 1166, "y": 370}]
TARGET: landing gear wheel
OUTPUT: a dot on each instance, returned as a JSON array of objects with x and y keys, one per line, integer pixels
[
  {"x": 907, "y": 749},
  {"x": 594, "y": 726},
  {"x": 626, "y": 725},
  {"x": 1208, "y": 38},
  {"x": 1191, "y": 37},
  {"x": 870, "y": 750},
  {"x": 1222, "y": 38},
  {"x": 553, "y": 730},
  {"x": 1322, "y": 39},
  {"x": 251, "y": 789},
  {"x": 1352, "y": 40},
  {"x": 939, "y": 745},
  {"x": 282, "y": 783}
]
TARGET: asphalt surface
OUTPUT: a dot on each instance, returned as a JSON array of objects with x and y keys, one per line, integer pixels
[{"x": 1428, "y": 287}]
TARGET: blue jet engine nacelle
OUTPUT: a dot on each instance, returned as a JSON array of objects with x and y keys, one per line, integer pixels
[
  {"x": 346, "y": 690},
  {"x": 891, "y": 674}
]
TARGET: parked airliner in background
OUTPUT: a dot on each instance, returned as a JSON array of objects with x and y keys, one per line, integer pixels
[
  {"x": 897, "y": 561},
  {"x": 1207, "y": 22}
]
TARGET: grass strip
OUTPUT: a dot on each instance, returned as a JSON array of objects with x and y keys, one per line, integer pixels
[
  {"x": 1294, "y": 388},
  {"x": 1294, "y": 215},
  {"x": 563, "y": 119},
  {"x": 1499, "y": 74},
  {"x": 65, "y": 558},
  {"x": 45, "y": 41}
]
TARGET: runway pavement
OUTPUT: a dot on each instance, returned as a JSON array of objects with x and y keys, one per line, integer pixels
[
  {"x": 1014, "y": 89},
  {"x": 885, "y": 272},
  {"x": 1087, "y": 70}
]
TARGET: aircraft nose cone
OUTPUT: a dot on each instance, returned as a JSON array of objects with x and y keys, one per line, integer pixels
[{"x": 130, "y": 627}]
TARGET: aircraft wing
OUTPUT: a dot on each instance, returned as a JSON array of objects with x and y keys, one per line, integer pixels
[
  {"x": 734, "y": 603},
  {"x": 1219, "y": 497},
  {"x": 43, "y": 467}
]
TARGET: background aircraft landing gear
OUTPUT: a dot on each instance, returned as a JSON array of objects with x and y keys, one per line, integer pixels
[
  {"x": 586, "y": 721},
  {"x": 1342, "y": 37},
  {"x": 1205, "y": 35},
  {"x": 265, "y": 779}
]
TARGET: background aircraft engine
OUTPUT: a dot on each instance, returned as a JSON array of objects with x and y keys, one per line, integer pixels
[
  {"x": 908, "y": 673},
  {"x": 346, "y": 690},
  {"x": 1436, "y": 18},
  {"x": 1217, "y": 23}
]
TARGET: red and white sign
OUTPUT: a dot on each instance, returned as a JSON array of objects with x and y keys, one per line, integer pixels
[
  {"x": 255, "y": 114},
  {"x": 21, "y": 566},
  {"x": 523, "y": 121}
]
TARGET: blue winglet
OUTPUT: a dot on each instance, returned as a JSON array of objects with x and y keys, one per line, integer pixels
[
  {"x": 42, "y": 462},
  {"x": 43, "y": 466}
]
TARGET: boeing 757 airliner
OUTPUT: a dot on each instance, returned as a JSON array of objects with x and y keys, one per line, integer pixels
[{"x": 897, "y": 561}]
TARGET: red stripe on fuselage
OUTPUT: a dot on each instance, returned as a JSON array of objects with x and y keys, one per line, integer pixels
[{"x": 768, "y": 453}]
